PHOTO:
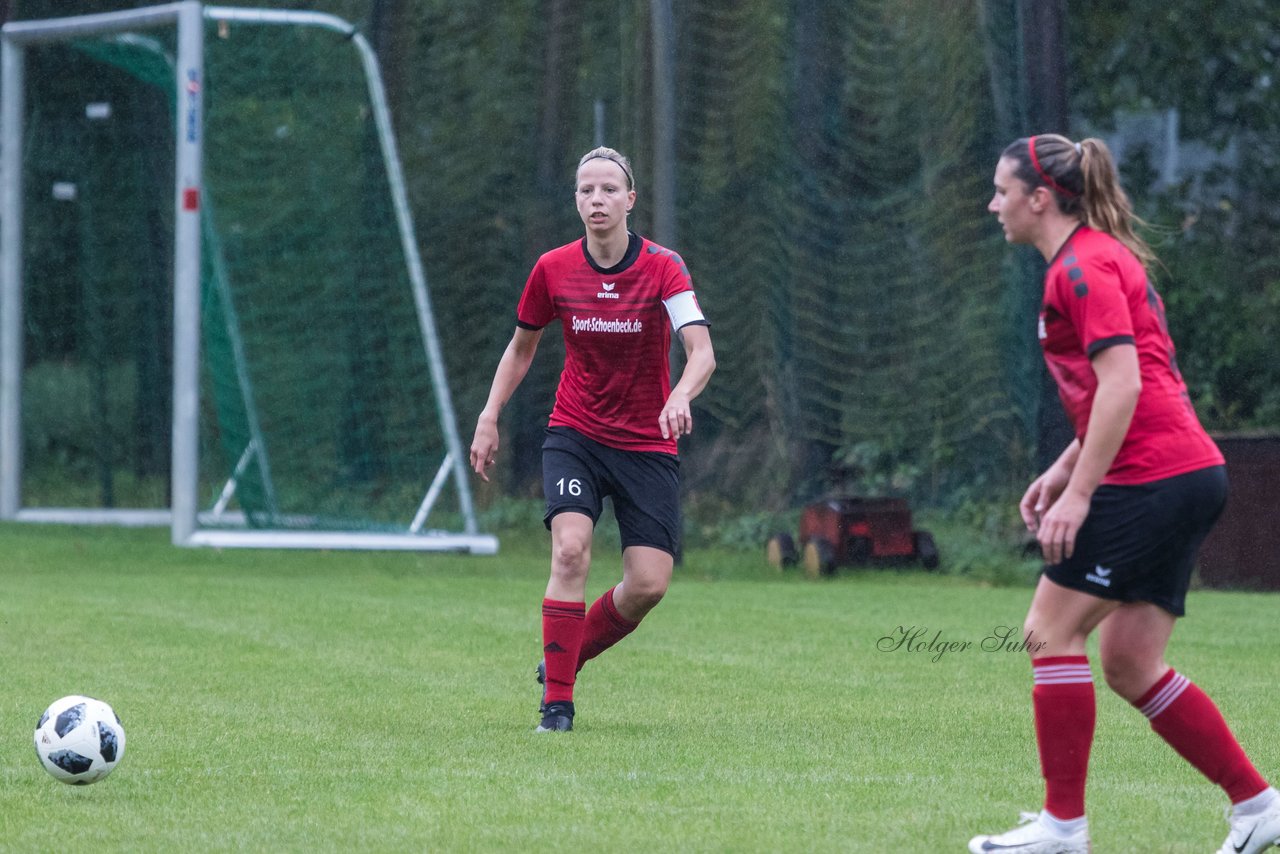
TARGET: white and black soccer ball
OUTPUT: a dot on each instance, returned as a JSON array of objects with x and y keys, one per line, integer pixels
[{"x": 79, "y": 740}]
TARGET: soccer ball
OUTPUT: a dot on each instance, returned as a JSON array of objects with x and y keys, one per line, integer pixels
[{"x": 79, "y": 740}]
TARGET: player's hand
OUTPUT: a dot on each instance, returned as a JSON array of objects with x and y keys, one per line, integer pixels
[
  {"x": 1032, "y": 505},
  {"x": 1059, "y": 526},
  {"x": 1041, "y": 495},
  {"x": 676, "y": 418},
  {"x": 484, "y": 447}
]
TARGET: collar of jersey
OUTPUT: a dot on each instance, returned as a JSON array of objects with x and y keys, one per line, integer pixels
[
  {"x": 628, "y": 258},
  {"x": 1057, "y": 254}
]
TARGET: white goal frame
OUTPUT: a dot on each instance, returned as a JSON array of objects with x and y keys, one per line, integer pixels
[{"x": 183, "y": 516}]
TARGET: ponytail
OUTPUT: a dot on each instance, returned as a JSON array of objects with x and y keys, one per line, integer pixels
[
  {"x": 1085, "y": 183},
  {"x": 1106, "y": 205}
]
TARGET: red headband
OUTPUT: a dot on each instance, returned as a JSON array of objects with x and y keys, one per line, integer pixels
[{"x": 1035, "y": 162}]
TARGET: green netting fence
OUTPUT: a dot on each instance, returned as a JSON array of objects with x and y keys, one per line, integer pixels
[
  {"x": 833, "y": 166},
  {"x": 319, "y": 406}
]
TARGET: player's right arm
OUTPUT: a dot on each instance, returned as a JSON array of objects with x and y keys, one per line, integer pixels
[
  {"x": 511, "y": 371},
  {"x": 1045, "y": 489}
]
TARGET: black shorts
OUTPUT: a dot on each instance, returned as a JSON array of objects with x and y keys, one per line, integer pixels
[
  {"x": 1139, "y": 543},
  {"x": 577, "y": 474}
]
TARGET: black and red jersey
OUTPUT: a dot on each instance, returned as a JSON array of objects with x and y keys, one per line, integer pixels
[
  {"x": 617, "y": 336},
  {"x": 1096, "y": 295}
]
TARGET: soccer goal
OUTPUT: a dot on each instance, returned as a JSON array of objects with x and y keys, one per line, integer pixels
[{"x": 213, "y": 312}]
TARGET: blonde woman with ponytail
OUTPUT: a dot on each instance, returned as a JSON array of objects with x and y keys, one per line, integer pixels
[{"x": 1120, "y": 516}]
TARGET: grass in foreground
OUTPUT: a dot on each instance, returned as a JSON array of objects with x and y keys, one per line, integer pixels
[{"x": 288, "y": 701}]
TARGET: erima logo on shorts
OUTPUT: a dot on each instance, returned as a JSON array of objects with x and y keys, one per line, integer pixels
[
  {"x": 599, "y": 324},
  {"x": 1100, "y": 576}
]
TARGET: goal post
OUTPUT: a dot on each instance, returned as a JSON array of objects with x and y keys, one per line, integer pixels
[{"x": 304, "y": 346}]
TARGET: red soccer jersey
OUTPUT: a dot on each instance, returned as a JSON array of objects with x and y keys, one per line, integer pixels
[
  {"x": 617, "y": 338},
  {"x": 1096, "y": 295}
]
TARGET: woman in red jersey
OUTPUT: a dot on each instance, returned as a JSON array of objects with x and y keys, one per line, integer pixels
[
  {"x": 1122, "y": 513},
  {"x": 615, "y": 422}
]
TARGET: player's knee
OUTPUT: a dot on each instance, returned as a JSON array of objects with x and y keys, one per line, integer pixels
[
  {"x": 1127, "y": 675},
  {"x": 646, "y": 592},
  {"x": 1033, "y": 635},
  {"x": 570, "y": 558}
]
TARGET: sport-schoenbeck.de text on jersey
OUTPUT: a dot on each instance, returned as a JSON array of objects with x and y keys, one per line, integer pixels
[{"x": 599, "y": 324}]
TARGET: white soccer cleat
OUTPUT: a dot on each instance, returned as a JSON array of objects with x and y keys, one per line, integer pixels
[
  {"x": 1031, "y": 836},
  {"x": 1252, "y": 833}
]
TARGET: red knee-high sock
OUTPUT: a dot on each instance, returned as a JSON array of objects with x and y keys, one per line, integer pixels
[
  {"x": 1184, "y": 716},
  {"x": 604, "y": 627},
  {"x": 561, "y": 641},
  {"x": 1065, "y": 717}
]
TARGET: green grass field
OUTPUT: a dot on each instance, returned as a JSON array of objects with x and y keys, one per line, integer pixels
[{"x": 288, "y": 701}]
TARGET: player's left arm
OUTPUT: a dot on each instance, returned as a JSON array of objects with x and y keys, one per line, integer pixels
[
  {"x": 1114, "y": 402},
  {"x": 676, "y": 419}
]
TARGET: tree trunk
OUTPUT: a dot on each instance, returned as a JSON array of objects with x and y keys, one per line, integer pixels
[
  {"x": 664, "y": 122},
  {"x": 530, "y": 405},
  {"x": 1044, "y": 57}
]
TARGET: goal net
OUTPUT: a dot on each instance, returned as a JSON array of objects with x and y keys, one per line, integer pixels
[{"x": 214, "y": 314}]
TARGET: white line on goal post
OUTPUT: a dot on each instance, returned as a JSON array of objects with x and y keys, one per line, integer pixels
[{"x": 188, "y": 187}]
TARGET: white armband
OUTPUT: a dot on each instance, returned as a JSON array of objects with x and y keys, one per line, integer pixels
[{"x": 683, "y": 309}]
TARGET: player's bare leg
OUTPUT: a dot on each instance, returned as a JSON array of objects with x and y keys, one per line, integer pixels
[
  {"x": 571, "y": 535},
  {"x": 1061, "y": 619},
  {"x": 1131, "y": 645},
  {"x": 646, "y": 575}
]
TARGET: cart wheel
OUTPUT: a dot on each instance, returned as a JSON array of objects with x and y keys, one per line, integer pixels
[
  {"x": 780, "y": 549},
  {"x": 819, "y": 558},
  {"x": 926, "y": 549}
]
